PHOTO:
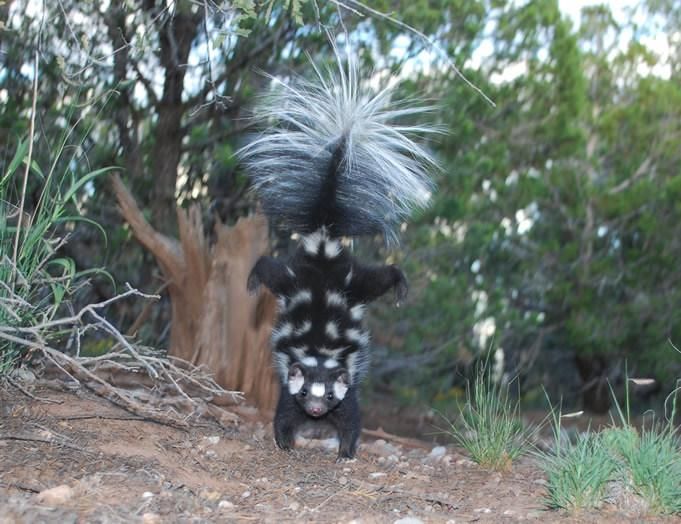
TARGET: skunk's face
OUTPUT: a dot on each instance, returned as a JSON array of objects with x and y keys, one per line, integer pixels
[{"x": 316, "y": 389}]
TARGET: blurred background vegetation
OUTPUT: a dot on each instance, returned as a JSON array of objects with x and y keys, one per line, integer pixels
[{"x": 553, "y": 241}]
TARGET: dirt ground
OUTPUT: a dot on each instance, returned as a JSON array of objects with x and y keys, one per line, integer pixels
[{"x": 111, "y": 466}]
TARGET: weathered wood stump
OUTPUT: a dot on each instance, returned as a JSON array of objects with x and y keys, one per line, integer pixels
[{"x": 215, "y": 322}]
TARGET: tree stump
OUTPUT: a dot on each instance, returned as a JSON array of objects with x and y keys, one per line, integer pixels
[{"x": 215, "y": 323}]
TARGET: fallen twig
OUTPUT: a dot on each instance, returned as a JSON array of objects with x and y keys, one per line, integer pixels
[{"x": 409, "y": 442}]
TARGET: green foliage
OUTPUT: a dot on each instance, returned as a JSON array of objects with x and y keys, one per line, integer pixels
[
  {"x": 619, "y": 465},
  {"x": 489, "y": 426},
  {"x": 36, "y": 281},
  {"x": 578, "y": 473}
]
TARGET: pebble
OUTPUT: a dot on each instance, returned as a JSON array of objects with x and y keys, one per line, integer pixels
[
  {"x": 343, "y": 480},
  {"x": 377, "y": 474},
  {"x": 437, "y": 451},
  {"x": 151, "y": 518},
  {"x": 213, "y": 440},
  {"x": 225, "y": 504},
  {"x": 482, "y": 510},
  {"x": 147, "y": 495},
  {"x": 294, "y": 506},
  {"x": 55, "y": 496},
  {"x": 245, "y": 494},
  {"x": 408, "y": 520}
]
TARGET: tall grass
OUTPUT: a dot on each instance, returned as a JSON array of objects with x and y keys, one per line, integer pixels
[
  {"x": 489, "y": 426},
  {"x": 35, "y": 282}
]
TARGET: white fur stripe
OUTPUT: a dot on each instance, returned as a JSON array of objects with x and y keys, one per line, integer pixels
[
  {"x": 331, "y": 330},
  {"x": 300, "y": 352},
  {"x": 355, "y": 335},
  {"x": 331, "y": 363},
  {"x": 317, "y": 389},
  {"x": 303, "y": 296},
  {"x": 357, "y": 312},
  {"x": 282, "y": 331},
  {"x": 332, "y": 248},
  {"x": 303, "y": 328},
  {"x": 348, "y": 278},
  {"x": 312, "y": 241},
  {"x": 332, "y": 352},
  {"x": 334, "y": 298}
]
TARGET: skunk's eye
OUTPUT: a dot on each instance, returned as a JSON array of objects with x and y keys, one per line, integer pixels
[
  {"x": 303, "y": 392},
  {"x": 329, "y": 396}
]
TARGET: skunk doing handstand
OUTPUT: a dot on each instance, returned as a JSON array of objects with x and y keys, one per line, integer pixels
[{"x": 333, "y": 163}]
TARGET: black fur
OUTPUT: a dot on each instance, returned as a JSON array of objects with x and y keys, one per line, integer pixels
[
  {"x": 342, "y": 275},
  {"x": 343, "y": 415}
]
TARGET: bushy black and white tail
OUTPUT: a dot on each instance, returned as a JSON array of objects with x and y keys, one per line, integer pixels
[{"x": 339, "y": 156}]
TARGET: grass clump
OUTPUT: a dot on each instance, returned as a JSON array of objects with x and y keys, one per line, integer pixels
[
  {"x": 638, "y": 470},
  {"x": 489, "y": 427}
]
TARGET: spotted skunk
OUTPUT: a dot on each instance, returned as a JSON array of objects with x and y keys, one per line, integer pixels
[
  {"x": 324, "y": 395},
  {"x": 334, "y": 162}
]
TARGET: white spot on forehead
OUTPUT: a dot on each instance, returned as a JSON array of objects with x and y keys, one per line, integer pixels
[
  {"x": 331, "y": 330},
  {"x": 357, "y": 312},
  {"x": 309, "y": 361},
  {"x": 332, "y": 248},
  {"x": 302, "y": 297},
  {"x": 331, "y": 363},
  {"x": 340, "y": 388},
  {"x": 318, "y": 389},
  {"x": 335, "y": 298},
  {"x": 348, "y": 278},
  {"x": 295, "y": 384},
  {"x": 303, "y": 328},
  {"x": 282, "y": 331}
]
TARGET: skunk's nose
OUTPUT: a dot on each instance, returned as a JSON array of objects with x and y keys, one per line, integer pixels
[{"x": 316, "y": 411}]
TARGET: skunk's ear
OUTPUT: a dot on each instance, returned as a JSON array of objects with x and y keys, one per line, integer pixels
[
  {"x": 296, "y": 379},
  {"x": 342, "y": 383},
  {"x": 273, "y": 274}
]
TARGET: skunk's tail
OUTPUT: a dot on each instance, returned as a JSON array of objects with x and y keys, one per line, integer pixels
[{"x": 338, "y": 156}]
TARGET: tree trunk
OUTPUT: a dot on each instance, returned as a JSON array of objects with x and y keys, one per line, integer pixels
[{"x": 215, "y": 323}]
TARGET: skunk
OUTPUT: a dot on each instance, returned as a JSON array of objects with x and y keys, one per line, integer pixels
[
  {"x": 336, "y": 161},
  {"x": 320, "y": 395}
]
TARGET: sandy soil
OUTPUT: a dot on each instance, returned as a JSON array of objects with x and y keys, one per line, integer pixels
[{"x": 110, "y": 466}]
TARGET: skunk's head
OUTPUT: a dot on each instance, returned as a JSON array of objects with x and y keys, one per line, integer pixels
[{"x": 318, "y": 390}]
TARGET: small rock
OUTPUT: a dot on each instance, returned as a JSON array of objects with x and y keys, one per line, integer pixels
[
  {"x": 151, "y": 518},
  {"x": 294, "y": 506},
  {"x": 343, "y": 480},
  {"x": 211, "y": 496},
  {"x": 245, "y": 494},
  {"x": 211, "y": 453},
  {"x": 213, "y": 440},
  {"x": 508, "y": 513},
  {"x": 541, "y": 482},
  {"x": 377, "y": 474},
  {"x": 408, "y": 520},
  {"x": 225, "y": 504},
  {"x": 437, "y": 452},
  {"x": 55, "y": 496},
  {"x": 147, "y": 495},
  {"x": 482, "y": 510}
]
